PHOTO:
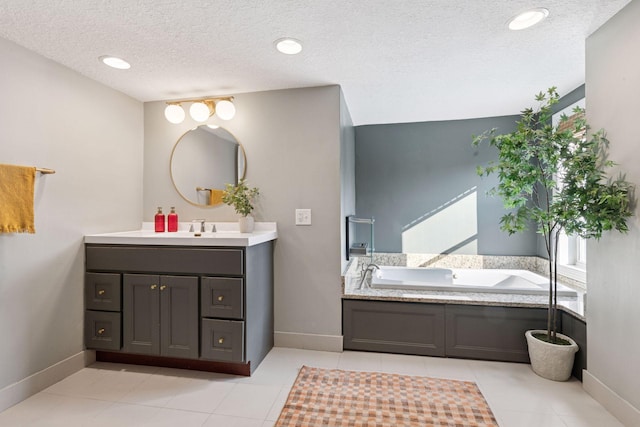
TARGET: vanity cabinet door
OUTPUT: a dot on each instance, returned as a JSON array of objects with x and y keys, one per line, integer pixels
[
  {"x": 179, "y": 316},
  {"x": 141, "y": 313}
]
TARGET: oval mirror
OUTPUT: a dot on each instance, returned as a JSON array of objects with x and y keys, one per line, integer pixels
[{"x": 203, "y": 160}]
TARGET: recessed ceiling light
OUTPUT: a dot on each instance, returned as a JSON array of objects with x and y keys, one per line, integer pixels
[
  {"x": 288, "y": 46},
  {"x": 528, "y": 18},
  {"x": 115, "y": 62}
]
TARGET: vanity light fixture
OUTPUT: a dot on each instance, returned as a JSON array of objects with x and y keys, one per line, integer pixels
[
  {"x": 201, "y": 109},
  {"x": 115, "y": 62},
  {"x": 528, "y": 18},
  {"x": 288, "y": 46}
]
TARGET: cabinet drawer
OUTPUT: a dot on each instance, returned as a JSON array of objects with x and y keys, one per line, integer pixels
[
  {"x": 162, "y": 259},
  {"x": 102, "y": 330},
  {"x": 221, "y": 297},
  {"x": 223, "y": 340},
  {"x": 102, "y": 291}
]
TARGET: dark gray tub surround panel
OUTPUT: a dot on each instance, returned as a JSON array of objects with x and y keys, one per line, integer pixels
[
  {"x": 452, "y": 330},
  {"x": 491, "y": 333},
  {"x": 394, "y": 327}
]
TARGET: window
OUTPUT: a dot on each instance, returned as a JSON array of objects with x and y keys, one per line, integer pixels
[{"x": 572, "y": 250}]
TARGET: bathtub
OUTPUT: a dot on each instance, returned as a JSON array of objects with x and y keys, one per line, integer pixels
[{"x": 465, "y": 280}]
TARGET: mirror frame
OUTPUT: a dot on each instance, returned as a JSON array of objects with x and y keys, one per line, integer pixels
[{"x": 173, "y": 182}]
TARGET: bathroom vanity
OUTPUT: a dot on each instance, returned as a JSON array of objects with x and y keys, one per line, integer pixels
[{"x": 189, "y": 300}]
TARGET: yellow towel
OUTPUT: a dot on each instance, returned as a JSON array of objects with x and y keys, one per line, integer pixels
[
  {"x": 215, "y": 197},
  {"x": 16, "y": 199}
]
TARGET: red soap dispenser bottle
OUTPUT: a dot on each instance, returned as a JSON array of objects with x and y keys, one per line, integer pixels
[
  {"x": 159, "y": 221},
  {"x": 172, "y": 220}
]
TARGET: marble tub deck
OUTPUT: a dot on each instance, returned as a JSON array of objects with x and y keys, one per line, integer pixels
[{"x": 351, "y": 278}]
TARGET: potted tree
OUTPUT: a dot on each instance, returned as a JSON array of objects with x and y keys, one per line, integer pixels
[
  {"x": 241, "y": 197},
  {"x": 555, "y": 177}
]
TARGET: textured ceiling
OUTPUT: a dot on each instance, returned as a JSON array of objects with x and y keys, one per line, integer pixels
[{"x": 396, "y": 60}]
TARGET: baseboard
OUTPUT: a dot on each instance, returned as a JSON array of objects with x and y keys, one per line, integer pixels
[
  {"x": 620, "y": 408},
  {"x": 308, "y": 341},
  {"x": 17, "y": 392}
]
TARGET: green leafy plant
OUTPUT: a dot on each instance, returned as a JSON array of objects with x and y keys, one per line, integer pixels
[
  {"x": 555, "y": 177},
  {"x": 240, "y": 196}
]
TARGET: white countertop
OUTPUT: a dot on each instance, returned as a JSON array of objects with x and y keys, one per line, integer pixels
[{"x": 227, "y": 234}]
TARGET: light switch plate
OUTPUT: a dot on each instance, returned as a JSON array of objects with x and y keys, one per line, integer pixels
[{"x": 303, "y": 216}]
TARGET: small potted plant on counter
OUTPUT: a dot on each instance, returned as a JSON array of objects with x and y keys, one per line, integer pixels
[
  {"x": 241, "y": 197},
  {"x": 555, "y": 177}
]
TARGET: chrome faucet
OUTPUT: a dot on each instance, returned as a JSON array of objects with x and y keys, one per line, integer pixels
[
  {"x": 370, "y": 268},
  {"x": 196, "y": 221}
]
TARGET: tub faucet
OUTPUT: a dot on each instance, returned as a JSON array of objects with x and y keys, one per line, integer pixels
[
  {"x": 196, "y": 221},
  {"x": 370, "y": 268}
]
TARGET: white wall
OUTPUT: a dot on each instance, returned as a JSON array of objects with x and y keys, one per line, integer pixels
[
  {"x": 292, "y": 143},
  {"x": 613, "y": 313},
  {"x": 92, "y": 136},
  {"x": 347, "y": 175}
]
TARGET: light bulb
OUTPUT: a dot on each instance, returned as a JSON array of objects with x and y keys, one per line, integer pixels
[
  {"x": 528, "y": 19},
  {"x": 174, "y": 113},
  {"x": 199, "y": 111},
  {"x": 225, "y": 109},
  {"x": 288, "y": 46},
  {"x": 115, "y": 62}
]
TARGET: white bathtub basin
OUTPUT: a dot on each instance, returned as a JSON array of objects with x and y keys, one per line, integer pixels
[{"x": 465, "y": 280}]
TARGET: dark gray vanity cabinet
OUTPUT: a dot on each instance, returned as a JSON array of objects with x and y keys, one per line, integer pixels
[
  {"x": 210, "y": 307},
  {"x": 160, "y": 315}
]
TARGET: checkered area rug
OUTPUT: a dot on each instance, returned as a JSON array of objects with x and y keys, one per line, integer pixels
[{"x": 336, "y": 398}]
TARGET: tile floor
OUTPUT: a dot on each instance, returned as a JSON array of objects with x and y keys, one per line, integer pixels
[{"x": 106, "y": 394}]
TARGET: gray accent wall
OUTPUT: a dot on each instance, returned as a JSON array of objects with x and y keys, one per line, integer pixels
[{"x": 419, "y": 181}]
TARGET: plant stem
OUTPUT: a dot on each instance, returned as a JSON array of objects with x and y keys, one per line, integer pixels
[
  {"x": 555, "y": 285},
  {"x": 549, "y": 315}
]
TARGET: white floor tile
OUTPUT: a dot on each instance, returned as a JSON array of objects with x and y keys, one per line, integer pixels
[
  {"x": 521, "y": 399},
  {"x": 277, "y": 406},
  {"x": 528, "y": 419},
  {"x": 125, "y": 414},
  {"x": 360, "y": 361},
  {"x": 249, "y": 401},
  {"x": 173, "y": 417},
  {"x": 157, "y": 390},
  {"x": 453, "y": 369},
  {"x": 591, "y": 420},
  {"x": 45, "y": 409},
  {"x": 201, "y": 396},
  {"x": 403, "y": 364},
  {"x": 106, "y": 394},
  {"x": 216, "y": 420}
]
